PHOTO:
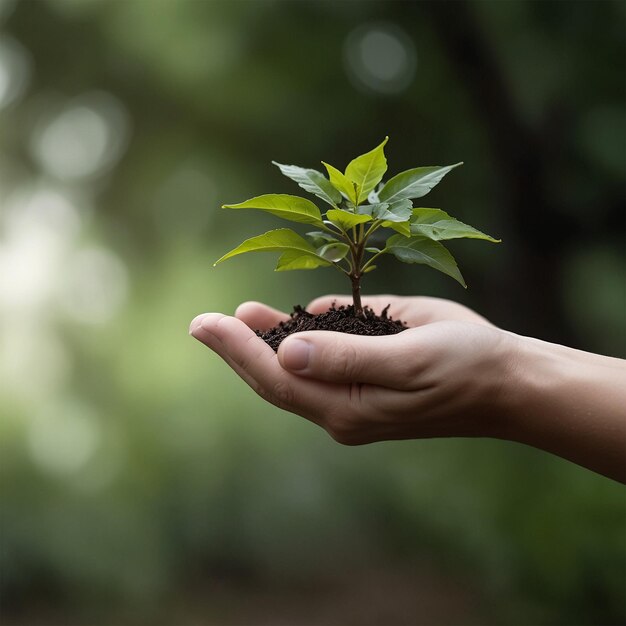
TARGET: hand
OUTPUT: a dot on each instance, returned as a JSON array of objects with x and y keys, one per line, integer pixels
[
  {"x": 442, "y": 377},
  {"x": 451, "y": 374},
  {"x": 415, "y": 311}
]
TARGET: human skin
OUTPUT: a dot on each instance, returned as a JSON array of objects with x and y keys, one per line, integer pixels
[{"x": 451, "y": 374}]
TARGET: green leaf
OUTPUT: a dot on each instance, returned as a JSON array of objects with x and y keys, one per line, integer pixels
[
  {"x": 346, "y": 220},
  {"x": 422, "y": 250},
  {"x": 319, "y": 238},
  {"x": 374, "y": 209},
  {"x": 340, "y": 182},
  {"x": 399, "y": 211},
  {"x": 395, "y": 216},
  {"x": 281, "y": 239},
  {"x": 404, "y": 228},
  {"x": 438, "y": 225},
  {"x": 334, "y": 251},
  {"x": 291, "y": 208},
  {"x": 414, "y": 183},
  {"x": 298, "y": 260},
  {"x": 369, "y": 269},
  {"x": 367, "y": 170},
  {"x": 312, "y": 181}
]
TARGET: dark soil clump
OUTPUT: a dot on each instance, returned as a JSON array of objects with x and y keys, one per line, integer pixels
[{"x": 339, "y": 319}]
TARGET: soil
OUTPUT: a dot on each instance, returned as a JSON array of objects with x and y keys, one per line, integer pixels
[{"x": 339, "y": 319}]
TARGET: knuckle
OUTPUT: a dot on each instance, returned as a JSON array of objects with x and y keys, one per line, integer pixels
[
  {"x": 242, "y": 360},
  {"x": 260, "y": 391},
  {"x": 343, "y": 360},
  {"x": 275, "y": 395},
  {"x": 410, "y": 373},
  {"x": 408, "y": 370},
  {"x": 283, "y": 393},
  {"x": 279, "y": 394},
  {"x": 246, "y": 357}
]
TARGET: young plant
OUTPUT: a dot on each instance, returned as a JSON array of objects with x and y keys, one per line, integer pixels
[{"x": 360, "y": 205}]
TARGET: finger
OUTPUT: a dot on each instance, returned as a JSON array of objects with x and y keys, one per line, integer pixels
[
  {"x": 420, "y": 310},
  {"x": 322, "y": 304},
  {"x": 195, "y": 322},
  {"x": 393, "y": 361},
  {"x": 258, "y": 365},
  {"x": 259, "y": 316},
  {"x": 212, "y": 342}
]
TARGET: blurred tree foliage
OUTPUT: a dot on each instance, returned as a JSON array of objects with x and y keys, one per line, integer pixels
[{"x": 140, "y": 481}]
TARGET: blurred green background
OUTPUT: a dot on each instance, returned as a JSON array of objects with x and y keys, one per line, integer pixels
[{"x": 141, "y": 481}]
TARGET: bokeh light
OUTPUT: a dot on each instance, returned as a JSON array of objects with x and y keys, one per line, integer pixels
[
  {"x": 62, "y": 439},
  {"x": 15, "y": 69},
  {"x": 95, "y": 286},
  {"x": 38, "y": 227},
  {"x": 47, "y": 273},
  {"x": 85, "y": 138},
  {"x": 380, "y": 57}
]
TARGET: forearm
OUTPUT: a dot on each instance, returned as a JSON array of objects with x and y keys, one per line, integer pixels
[{"x": 567, "y": 402}]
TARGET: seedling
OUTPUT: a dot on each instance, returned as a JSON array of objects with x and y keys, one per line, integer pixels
[{"x": 360, "y": 205}]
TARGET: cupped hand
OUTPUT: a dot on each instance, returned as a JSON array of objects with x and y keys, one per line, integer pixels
[
  {"x": 441, "y": 377},
  {"x": 415, "y": 311}
]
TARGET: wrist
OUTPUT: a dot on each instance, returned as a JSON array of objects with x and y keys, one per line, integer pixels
[
  {"x": 495, "y": 399},
  {"x": 531, "y": 372}
]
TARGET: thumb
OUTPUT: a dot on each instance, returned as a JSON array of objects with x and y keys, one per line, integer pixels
[{"x": 389, "y": 361}]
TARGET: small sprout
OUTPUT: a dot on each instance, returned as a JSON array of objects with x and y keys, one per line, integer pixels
[{"x": 360, "y": 205}]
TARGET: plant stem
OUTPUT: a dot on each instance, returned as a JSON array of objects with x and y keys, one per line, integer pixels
[
  {"x": 357, "y": 250},
  {"x": 371, "y": 259},
  {"x": 373, "y": 228},
  {"x": 356, "y": 294}
]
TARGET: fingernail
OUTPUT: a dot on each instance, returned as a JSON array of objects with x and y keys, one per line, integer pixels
[
  {"x": 196, "y": 322},
  {"x": 208, "y": 322},
  {"x": 296, "y": 354}
]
